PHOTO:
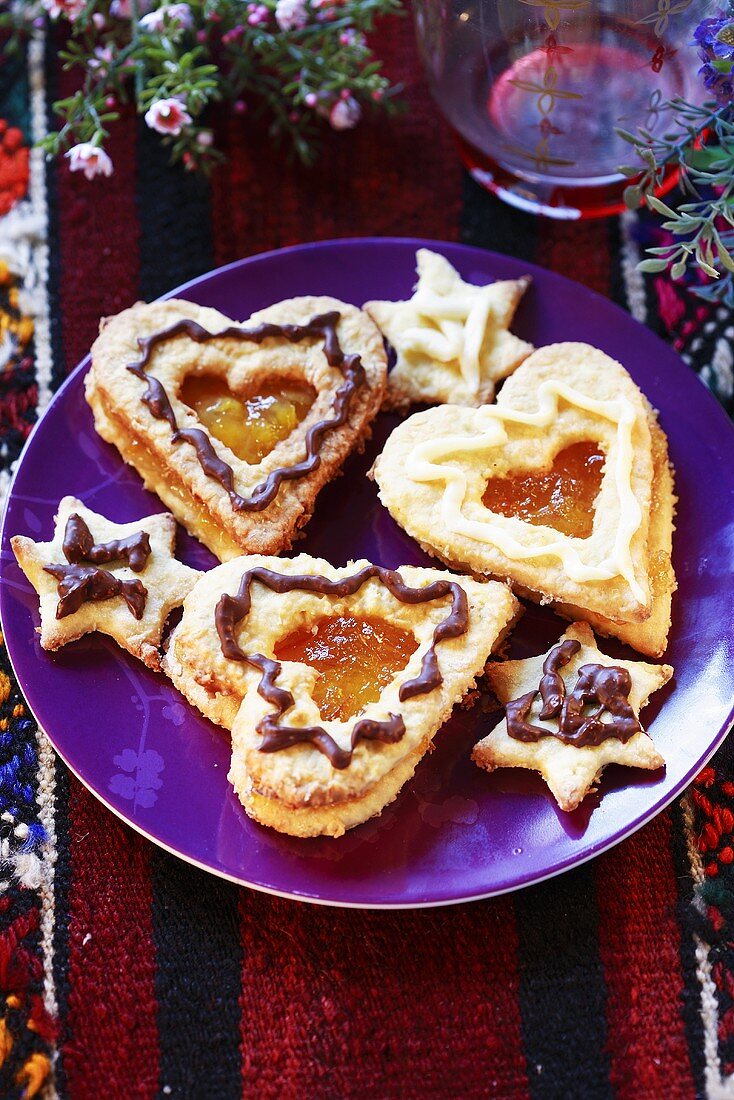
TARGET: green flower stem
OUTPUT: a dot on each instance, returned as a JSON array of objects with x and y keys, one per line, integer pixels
[
  {"x": 275, "y": 71},
  {"x": 701, "y": 145}
]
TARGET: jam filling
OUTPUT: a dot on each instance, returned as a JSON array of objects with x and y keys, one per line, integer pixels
[
  {"x": 561, "y": 497},
  {"x": 355, "y": 659},
  {"x": 250, "y": 426},
  {"x": 659, "y": 568}
]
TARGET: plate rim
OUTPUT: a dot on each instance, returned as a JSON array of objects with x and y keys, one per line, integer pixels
[{"x": 569, "y": 862}]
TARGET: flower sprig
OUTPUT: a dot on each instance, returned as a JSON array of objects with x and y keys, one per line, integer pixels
[
  {"x": 697, "y": 141},
  {"x": 302, "y": 64}
]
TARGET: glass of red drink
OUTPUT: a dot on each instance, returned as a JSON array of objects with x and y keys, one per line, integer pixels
[{"x": 534, "y": 90}]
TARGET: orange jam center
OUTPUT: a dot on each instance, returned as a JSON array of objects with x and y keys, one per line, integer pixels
[
  {"x": 561, "y": 497},
  {"x": 355, "y": 659},
  {"x": 249, "y": 426},
  {"x": 659, "y": 567}
]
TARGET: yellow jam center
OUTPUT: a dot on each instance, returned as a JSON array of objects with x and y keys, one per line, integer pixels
[
  {"x": 561, "y": 497},
  {"x": 659, "y": 568},
  {"x": 249, "y": 426},
  {"x": 355, "y": 659}
]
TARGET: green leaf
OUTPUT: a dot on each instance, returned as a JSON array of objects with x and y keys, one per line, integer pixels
[
  {"x": 652, "y": 266},
  {"x": 632, "y": 197},
  {"x": 725, "y": 257},
  {"x": 660, "y": 207}
]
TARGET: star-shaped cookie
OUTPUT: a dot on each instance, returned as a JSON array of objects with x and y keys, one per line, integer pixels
[
  {"x": 452, "y": 338},
  {"x": 575, "y": 693},
  {"x": 95, "y": 575}
]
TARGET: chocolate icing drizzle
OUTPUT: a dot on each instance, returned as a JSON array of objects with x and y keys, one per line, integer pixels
[
  {"x": 79, "y": 546},
  {"x": 157, "y": 400},
  {"x": 606, "y": 685},
  {"x": 232, "y": 609},
  {"x": 80, "y": 584}
]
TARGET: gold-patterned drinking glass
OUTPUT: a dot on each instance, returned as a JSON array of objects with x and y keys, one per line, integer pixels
[{"x": 535, "y": 89}]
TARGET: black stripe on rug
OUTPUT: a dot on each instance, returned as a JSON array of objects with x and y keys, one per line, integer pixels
[
  {"x": 197, "y": 983},
  {"x": 562, "y": 989},
  {"x": 486, "y": 222},
  {"x": 62, "y": 884},
  {"x": 175, "y": 220},
  {"x": 53, "y": 287},
  {"x": 195, "y": 916},
  {"x": 693, "y": 923}
]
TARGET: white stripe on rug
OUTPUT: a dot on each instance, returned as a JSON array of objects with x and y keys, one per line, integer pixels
[
  {"x": 43, "y": 361},
  {"x": 717, "y": 1086},
  {"x": 37, "y": 189},
  {"x": 634, "y": 280}
]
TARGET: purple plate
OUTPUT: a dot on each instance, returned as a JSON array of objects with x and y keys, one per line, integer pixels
[{"x": 455, "y": 832}]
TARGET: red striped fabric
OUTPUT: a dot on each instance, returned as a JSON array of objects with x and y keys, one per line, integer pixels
[
  {"x": 580, "y": 250},
  {"x": 110, "y": 1041},
  {"x": 346, "y": 1003},
  {"x": 112, "y": 1034},
  {"x": 397, "y": 177},
  {"x": 639, "y": 942},
  {"x": 97, "y": 237}
]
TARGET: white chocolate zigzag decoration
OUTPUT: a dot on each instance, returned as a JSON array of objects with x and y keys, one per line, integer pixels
[
  {"x": 452, "y": 338},
  {"x": 462, "y": 320},
  {"x": 425, "y": 464}
]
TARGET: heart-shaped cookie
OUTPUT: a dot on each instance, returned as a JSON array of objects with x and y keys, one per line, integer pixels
[
  {"x": 333, "y": 680},
  {"x": 563, "y": 488},
  {"x": 237, "y": 427}
]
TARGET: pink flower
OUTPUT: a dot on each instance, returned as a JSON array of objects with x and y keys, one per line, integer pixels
[
  {"x": 123, "y": 9},
  {"x": 167, "y": 116},
  {"x": 72, "y": 9},
  {"x": 177, "y": 15},
  {"x": 257, "y": 14},
  {"x": 345, "y": 114},
  {"x": 103, "y": 57},
  {"x": 89, "y": 159},
  {"x": 291, "y": 14}
]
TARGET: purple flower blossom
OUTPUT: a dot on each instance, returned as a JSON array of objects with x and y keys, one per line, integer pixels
[
  {"x": 138, "y": 777},
  {"x": 715, "y": 40}
]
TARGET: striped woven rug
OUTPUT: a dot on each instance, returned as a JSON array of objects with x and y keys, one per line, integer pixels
[{"x": 125, "y": 973}]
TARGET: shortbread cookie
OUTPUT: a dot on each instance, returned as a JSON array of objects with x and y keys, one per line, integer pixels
[
  {"x": 571, "y": 712},
  {"x": 563, "y": 488},
  {"x": 334, "y": 681},
  {"x": 120, "y": 579},
  {"x": 452, "y": 338},
  {"x": 237, "y": 427}
]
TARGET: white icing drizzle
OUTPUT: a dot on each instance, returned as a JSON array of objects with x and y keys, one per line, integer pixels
[
  {"x": 425, "y": 464},
  {"x": 460, "y": 319}
]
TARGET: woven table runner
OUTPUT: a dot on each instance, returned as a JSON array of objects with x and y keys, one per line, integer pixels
[{"x": 126, "y": 973}]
